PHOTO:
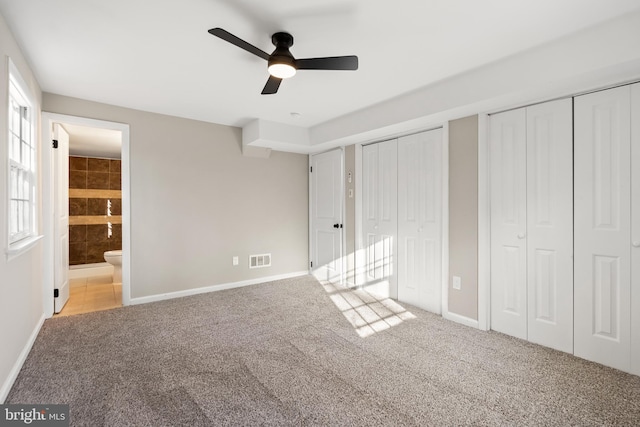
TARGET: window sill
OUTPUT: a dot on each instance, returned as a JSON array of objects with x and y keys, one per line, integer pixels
[{"x": 22, "y": 246}]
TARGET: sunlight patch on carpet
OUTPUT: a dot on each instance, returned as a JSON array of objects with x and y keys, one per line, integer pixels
[{"x": 367, "y": 313}]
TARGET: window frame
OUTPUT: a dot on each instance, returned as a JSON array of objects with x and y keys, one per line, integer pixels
[{"x": 22, "y": 167}]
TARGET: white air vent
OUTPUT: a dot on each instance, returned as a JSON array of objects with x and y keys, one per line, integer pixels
[{"x": 259, "y": 261}]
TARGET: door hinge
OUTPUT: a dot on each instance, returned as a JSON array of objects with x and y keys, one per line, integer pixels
[
  {"x": 55, "y": 143},
  {"x": 56, "y": 293},
  {"x": 311, "y": 263},
  {"x": 311, "y": 169}
]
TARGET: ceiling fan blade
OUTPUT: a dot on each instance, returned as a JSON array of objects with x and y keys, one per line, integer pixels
[
  {"x": 272, "y": 86},
  {"x": 329, "y": 63},
  {"x": 227, "y": 36}
]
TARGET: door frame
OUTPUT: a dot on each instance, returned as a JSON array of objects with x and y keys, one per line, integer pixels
[
  {"x": 47, "y": 121},
  {"x": 343, "y": 207},
  {"x": 484, "y": 225}
]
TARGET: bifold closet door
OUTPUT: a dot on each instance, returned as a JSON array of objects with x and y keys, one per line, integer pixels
[
  {"x": 532, "y": 224},
  {"x": 550, "y": 225},
  {"x": 603, "y": 227},
  {"x": 419, "y": 220},
  {"x": 508, "y": 187},
  {"x": 380, "y": 217}
]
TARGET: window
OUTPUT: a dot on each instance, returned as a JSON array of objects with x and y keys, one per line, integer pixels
[{"x": 22, "y": 161}]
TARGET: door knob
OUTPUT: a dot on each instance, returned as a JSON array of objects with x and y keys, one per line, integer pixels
[
  {"x": 521, "y": 235},
  {"x": 337, "y": 225},
  {"x": 636, "y": 244}
]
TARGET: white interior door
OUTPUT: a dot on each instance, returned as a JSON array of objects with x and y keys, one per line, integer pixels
[
  {"x": 550, "y": 224},
  {"x": 635, "y": 229},
  {"x": 380, "y": 213},
  {"x": 602, "y": 227},
  {"x": 326, "y": 179},
  {"x": 419, "y": 220},
  {"x": 61, "y": 217},
  {"x": 508, "y": 186}
]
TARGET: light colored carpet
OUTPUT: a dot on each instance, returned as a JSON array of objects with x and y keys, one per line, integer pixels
[{"x": 295, "y": 352}]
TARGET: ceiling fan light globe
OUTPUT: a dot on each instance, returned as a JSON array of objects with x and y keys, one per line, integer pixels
[{"x": 282, "y": 71}]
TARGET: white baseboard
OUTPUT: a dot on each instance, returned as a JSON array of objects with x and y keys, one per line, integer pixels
[
  {"x": 467, "y": 321},
  {"x": 214, "y": 288},
  {"x": 15, "y": 370}
]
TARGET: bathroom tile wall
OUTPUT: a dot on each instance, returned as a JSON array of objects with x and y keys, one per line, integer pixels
[{"x": 95, "y": 208}]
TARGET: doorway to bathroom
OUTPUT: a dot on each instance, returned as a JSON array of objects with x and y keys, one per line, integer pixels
[{"x": 86, "y": 214}]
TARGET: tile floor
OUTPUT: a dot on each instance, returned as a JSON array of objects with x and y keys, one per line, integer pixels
[{"x": 92, "y": 294}]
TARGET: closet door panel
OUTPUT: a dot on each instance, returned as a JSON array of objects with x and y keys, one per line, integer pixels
[
  {"x": 388, "y": 224},
  {"x": 507, "y": 148},
  {"x": 388, "y": 185},
  {"x": 635, "y": 228},
  {"x": 602, "y": 228},
  {"x": 550, "y": 224},
  {"x": 380, "y": 223},
  {"x": 419, "y": 219}
]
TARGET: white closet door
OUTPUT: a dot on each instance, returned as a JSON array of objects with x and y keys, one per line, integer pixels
[
  {"x": 61, "y": 225},
  {"x": 602, "y": 227},
  {"x": 380, "y": 217},
  {"x": 635, "y": 228},
  {"x": 507, "y": 152},
  {"x": 550, "y": 224},
  {"x": 419, "y": 219},
  {"x": 326, "y": 213}
]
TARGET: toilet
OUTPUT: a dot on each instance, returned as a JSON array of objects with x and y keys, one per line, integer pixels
[{"x": 115, "y": 258}]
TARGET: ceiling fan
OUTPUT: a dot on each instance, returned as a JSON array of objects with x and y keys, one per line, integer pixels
[{"x": 281, "y": 63}]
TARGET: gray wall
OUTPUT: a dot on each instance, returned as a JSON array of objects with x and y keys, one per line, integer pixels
[
  {"x": 21, "y": 277},
  {"x": 463, "y": 215},
  {"x": 196, "y": 201}
]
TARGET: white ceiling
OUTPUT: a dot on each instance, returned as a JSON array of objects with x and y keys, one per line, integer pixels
[{"x": 157, "y": 56}]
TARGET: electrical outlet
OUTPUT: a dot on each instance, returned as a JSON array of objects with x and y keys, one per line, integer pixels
[
  {"x": 457, "y": 282},
  {"x": 236, "y": 260}
]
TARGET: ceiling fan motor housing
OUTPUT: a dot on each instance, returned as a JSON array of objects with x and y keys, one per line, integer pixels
[
  {"x": 282, "y": 55},
  {"x": 282, "y": 40}
]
